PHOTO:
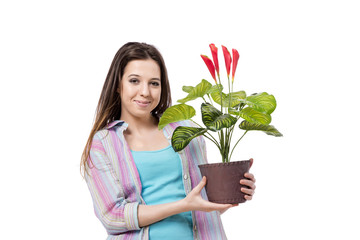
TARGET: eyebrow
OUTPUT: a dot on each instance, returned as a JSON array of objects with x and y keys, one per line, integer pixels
[{"x": 136, "y": 75}]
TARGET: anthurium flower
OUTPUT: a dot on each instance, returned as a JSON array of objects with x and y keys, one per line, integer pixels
[
  {"x": 214, "y": 53},
  {"x": 210, "y": 66},
  {"x": 236, "y": 56},
  {"x": 227, "y": 58}
]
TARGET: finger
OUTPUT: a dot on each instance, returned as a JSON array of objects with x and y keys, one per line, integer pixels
[
  {"x": 248, "y": 197},
  {"x": 217, "y": 207},
  {"x": 232, "y": 205},
  {"x": 227, "y": 206},
  {"x": 250, "y": 176},
  {"x": 248, "y": 191},
  {"x": 224, "y": 207},
  {"x": 201, "y": 184},
  {"x": 251, "y": 162},
  {"x": 248, "y": 183}
]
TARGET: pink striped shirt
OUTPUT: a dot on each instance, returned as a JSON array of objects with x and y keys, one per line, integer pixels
[{"x": 115, "y": 185}]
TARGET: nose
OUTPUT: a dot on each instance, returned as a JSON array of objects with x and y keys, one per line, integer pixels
[{"x": 144, "y": 89}]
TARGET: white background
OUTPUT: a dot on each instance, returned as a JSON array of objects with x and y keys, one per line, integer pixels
[{"x": 54, "y": 57}]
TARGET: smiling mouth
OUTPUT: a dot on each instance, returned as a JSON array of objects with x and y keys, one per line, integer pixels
[{"x": 142, "y": 103}]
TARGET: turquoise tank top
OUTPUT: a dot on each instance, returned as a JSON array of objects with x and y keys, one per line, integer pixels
[{"x": 161, "y": 178}]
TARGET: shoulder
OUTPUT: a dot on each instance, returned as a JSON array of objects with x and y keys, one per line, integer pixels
[
  {"x": 117, "y": 126},
  {"x": 108, "y": 138},
  {"x": 97, "y": 143},
  {"x": 101, "y": 135}
]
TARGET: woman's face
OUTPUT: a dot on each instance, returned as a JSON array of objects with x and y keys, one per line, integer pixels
[{"x": 140, "y": 88}]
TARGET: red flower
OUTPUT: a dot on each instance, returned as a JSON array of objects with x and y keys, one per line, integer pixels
[
  {"x": 236, "y": 56},
  {"x": 227, "y": 58},
  {"x": 210, "y": 65},
  {"x": 214, "y": 53}
]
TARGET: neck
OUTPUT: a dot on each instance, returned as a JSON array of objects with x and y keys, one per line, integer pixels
[{"x": 138, "y": 126}]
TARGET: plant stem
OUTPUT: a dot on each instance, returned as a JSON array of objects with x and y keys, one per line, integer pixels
[
  {"x": 196, "y": 123},
  {"x": 209, "y": 99},
  {"x": 232, "y": 86},
  {"x": 222, "y": 143},
  {"x": 228, "y": 142},
  {"x": 229, "y": 92},
  {"x": 220, "y": 93},
  {"x": 238, "y": 142},
  {"x": 227, "y": 145},
  {"x": 214, "y": 141},
  {"x": 231, "y": 133},
  {"x": 232, "y": 128},
  {"x": 219, "y": 136}
]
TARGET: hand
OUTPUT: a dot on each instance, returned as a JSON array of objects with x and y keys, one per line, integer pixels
[
  {"x": 194, "y": 202},
  {"x": 249, "y": 182}
]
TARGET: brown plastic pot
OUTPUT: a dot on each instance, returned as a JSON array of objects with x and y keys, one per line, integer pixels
[{"x": 223, "y": 181}]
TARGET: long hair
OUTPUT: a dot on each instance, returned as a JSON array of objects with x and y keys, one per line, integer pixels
[{"x": 109, "y": 105}]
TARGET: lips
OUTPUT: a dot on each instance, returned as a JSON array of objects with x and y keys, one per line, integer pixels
[{"x": 142, "y": 103}]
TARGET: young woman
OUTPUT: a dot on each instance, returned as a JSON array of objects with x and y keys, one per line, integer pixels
[{"x": 141, "y": 188}]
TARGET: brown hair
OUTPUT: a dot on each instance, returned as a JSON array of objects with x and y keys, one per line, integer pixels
[{"x": 109, "y": 107}]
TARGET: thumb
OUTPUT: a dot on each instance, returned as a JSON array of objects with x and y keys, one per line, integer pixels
[
  {"x": 201, "y": 184},
  {"x": 251, "y": 162}
]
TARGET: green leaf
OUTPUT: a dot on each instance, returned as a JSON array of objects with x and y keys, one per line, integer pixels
[
  {"x": 216, "y": 96},
  {"x": 198, "y": 91},
  {"x": 262, "y": 102},
  {"x": 183, "y": 135},
  {"x": 214, "y": 120},
  {"x": 176, "y": 113},
  {"x": 215, "y": 88},
  {"x": 236, "y": 98},
  {"x": 268, "y": 129},
  {"x": 253, "y": 116},
  {"x": 187, "y": 88}
]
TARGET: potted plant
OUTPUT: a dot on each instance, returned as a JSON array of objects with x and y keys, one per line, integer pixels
[{"x": 254, "y": 111}]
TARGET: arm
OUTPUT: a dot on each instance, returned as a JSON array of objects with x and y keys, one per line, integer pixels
[
  {"x": 115, "y": 212},
  {"x": 192, "y": 202}
]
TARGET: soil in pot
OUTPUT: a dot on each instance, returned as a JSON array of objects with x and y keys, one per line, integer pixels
[{"x": 223, "y": 181}]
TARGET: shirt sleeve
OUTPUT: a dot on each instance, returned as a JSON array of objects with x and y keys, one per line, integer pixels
[{"x": 115, "y": 212}]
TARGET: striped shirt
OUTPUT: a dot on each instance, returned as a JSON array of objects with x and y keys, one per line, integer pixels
[{"x": 115, "y": 185}]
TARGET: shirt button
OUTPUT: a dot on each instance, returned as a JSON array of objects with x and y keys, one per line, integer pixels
[
  {"x": 185, "y": 176},
  {"x": 195, "y": 227}
]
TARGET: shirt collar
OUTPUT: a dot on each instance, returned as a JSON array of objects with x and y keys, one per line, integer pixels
[
  {"x": 122, "y": 124},
  {"x": 116, "y": 123}
]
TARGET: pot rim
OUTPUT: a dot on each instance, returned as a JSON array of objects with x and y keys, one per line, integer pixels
[{"x": 209, "y": 165}]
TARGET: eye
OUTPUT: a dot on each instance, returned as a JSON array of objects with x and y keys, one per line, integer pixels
[
  {"x": 133, "y": 80},
  {"x": 155, "y": 83}
]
